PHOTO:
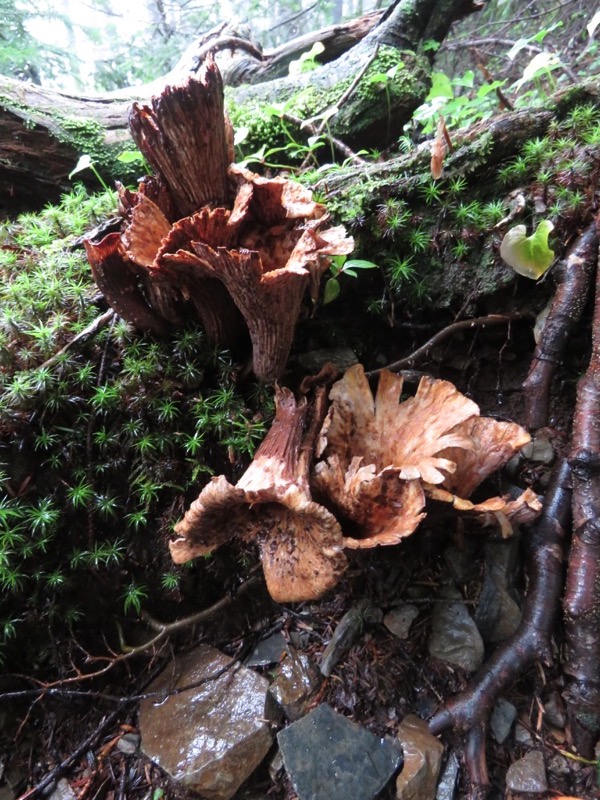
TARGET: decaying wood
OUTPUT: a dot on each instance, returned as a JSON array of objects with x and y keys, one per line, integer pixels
[
  {"x": 582, "y": 594},
  {"x": 34, "y": 120}
]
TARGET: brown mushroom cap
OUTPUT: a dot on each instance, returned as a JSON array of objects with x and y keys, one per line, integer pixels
[{"x": 300, "y": 541}]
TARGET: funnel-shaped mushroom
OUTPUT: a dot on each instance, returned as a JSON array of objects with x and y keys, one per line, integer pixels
[
  {"x": 300, "y": 541},
  {"x": 183, "y": 135},
  {"x": 245, "y": 248},
  {"x": 494, "y": 442}
]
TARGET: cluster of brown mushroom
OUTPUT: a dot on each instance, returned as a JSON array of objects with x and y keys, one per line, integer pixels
[
  {"x": 209, "y": 241},
  {"x": 219, "y": 244},
  {"x": 378, "y": 462}
]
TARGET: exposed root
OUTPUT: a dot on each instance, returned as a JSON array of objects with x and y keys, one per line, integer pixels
[
  {"x": 572, "y": 275},
  {"x": 582, "y": 596},
  {"x": 531, "y": 640}
]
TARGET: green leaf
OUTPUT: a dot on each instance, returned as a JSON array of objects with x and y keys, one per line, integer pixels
[
  {"x": 127, "y": 157},
  {"x": 441, "y": 86},
  {"x": 530, "y": 256},
  {"x": 332, "y": 290},
  {"x": 359, "y": 263}
]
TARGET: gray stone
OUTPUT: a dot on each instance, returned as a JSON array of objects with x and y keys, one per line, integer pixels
[
  {"x": 422, "y": 761},
  {"x": 399, "y": 620},
  {"x": 268, "y": 651},
  {"x": 129, "y": 743},
  {"x": 498, "y": 615},
  {"x": 209, "y": 738},
  {"x": 347, "y": 631},
  {"x": 62, "y": 791},
  {"x": 454, "y": 637},
  {"x": 554, "y": 710},
  {"x": 327, "y": 756},
  {"x": 461, "y": 564},
  {"x": 559, "y": 765},
  {"x": 528, "y": 774},
  {"x": 296, "y": 684},
  {"x": 448, "y": 779},
  {"x": 502, "y": 718},
  {"x": 522, "y": 735},
  {"x": 539, "y": 449}
]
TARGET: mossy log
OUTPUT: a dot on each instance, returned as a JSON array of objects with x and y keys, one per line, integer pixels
[{"x": 43, "y": 132}]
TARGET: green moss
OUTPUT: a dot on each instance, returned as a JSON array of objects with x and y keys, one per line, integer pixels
[
  {"x": 123, "y": 430},
  {"x": 83, "y": 134}
]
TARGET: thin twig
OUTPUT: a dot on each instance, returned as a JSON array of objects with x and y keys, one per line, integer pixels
[
  {"x": 164, "y": 629},
  {"x": 350, "y": 90},
  {"x": 82, "y": 338},
  {"x": 316, "y": 131},
  {"x": 465, "y": 324}
]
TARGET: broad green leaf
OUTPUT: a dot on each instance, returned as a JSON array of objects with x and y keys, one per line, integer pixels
[
  {"x": 441, "y": 86},
  {"x": 542, "y": 62},
  {"x": 530, "y": 256},
  {"x": 131, "y": 157},
  {"x": 593, "y": 24},
  {"x": 332, "y": 290},
  {"x": 241, "y": 134},
  {"x": 359, "y": 263}
]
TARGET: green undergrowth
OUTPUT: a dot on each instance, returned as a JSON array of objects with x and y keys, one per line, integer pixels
[
  {"x": 102, "y": 448},
  {"x": 435, "y": 240}
]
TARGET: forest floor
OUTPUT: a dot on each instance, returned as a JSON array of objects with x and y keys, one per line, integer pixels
[{"x": 381, "y": 678}]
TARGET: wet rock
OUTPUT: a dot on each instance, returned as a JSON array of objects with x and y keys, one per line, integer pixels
[
  {"x": 348, "y": 630},
  {"x": 296, "y": 684},
  {"x": 454, "y": 636},
  {"x": 327, "y": 755},
  {"x": 501, "y": 720},
  {"x": 399, "y": 620},
  {"x": 540, "y": 448},
  {"x": 554, "y": 710},
  {"x": 129, "y": 743},
  {"x": 528, "y": 774},
  {"x": 62, "y": 791},
  {"x": 461, "y": 564},
  {"x": 449, "y": 778},
  {"x": 341, "y": 357},
  {"x": 212, "y": 737},
  {"x": 275, "y": 766},
  {"x": 522, "y": 735},
  {"x": 422, "y": 761},
  {"x": 559, "y": 765},
  {"x": 498, "y": 615},
  {"x": 268, "y": 651}
]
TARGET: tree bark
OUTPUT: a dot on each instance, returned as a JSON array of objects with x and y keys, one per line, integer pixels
[{"x": 34, "y": 120}]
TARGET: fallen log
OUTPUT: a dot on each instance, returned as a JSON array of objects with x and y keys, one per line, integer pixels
[{"x": 62, "y": 126}]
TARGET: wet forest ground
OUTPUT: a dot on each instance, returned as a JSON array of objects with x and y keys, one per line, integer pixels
[{"x": 381, "y": 678}]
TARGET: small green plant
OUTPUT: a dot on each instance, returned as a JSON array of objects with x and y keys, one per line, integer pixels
[
  {"x": 400, "y": 271},
  {"x": 341, "y": 265},
  {"x": 85, "y": 162}
]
